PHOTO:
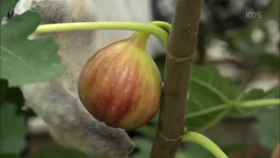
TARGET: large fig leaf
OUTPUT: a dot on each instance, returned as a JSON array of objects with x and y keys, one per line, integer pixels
[
  {"x": 6, "y": 6},
  {"x": 12, "y": 131},
  {"x": 26, "y": 61},
  {"x": 210, "y": 99}
]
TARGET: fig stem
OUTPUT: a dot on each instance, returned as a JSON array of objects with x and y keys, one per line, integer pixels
[
  {"x": 256, "y": 103},
  {"x": 205, "y": 142},
  {"x": 140, "y": 38},
  {"x": 150, "y": 28}
]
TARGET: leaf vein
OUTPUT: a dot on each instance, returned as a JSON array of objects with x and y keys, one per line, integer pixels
[
  {"x": 198, "y": 104},
  {"x": 213, "y": 89},
  {"x": 212, "y": 109}
]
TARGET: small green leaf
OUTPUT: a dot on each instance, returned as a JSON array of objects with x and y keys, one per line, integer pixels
[
  {"x": 12, "y": 131},
  {"x": 267, "y": 127},
  {"x": 26, "y": 61},
  {"x": 6, "y": 6},
  {"x": 58, "y": 152}
]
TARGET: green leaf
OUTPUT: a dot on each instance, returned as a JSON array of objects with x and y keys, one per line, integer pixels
[
  {"x": 210, "y": 94},
  {"x": 210, "y": 97},
  {"x": 267, "y": 127},
  {"x": 12, "y": 131},
  {"x": 58, "y": 152},
  {"x": 6, "y": 6},
  {"x": 26, "y": 61}
]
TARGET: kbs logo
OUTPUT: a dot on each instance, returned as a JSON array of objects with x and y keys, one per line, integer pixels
[{"x": 252, "y": 15}]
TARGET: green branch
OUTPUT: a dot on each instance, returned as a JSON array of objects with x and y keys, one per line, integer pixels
[
  {"x": 255, "y": 103},
  {"x": 204, "y": 142},
  {"x": 132, "y": 26}
]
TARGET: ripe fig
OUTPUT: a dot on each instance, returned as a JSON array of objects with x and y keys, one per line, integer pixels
[{"x": 121, "y": 85}]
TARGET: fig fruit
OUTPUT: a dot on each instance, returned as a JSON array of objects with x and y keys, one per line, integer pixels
[{"x": 121, "y": 85}]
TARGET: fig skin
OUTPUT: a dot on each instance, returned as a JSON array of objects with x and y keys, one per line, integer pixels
[{"x": 121, "y": 85}]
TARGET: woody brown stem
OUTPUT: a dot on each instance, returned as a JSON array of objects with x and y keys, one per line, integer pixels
[{"x": 179, "y": 60}]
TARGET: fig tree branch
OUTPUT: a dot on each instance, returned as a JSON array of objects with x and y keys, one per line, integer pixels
[{"x": 179, "y": 59}]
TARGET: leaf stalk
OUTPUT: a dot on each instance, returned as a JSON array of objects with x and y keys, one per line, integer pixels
[
  {"x": 150, "y": 28},
  {"x": 204, "y": 142},
  {"x": 256, "y": 103}
]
